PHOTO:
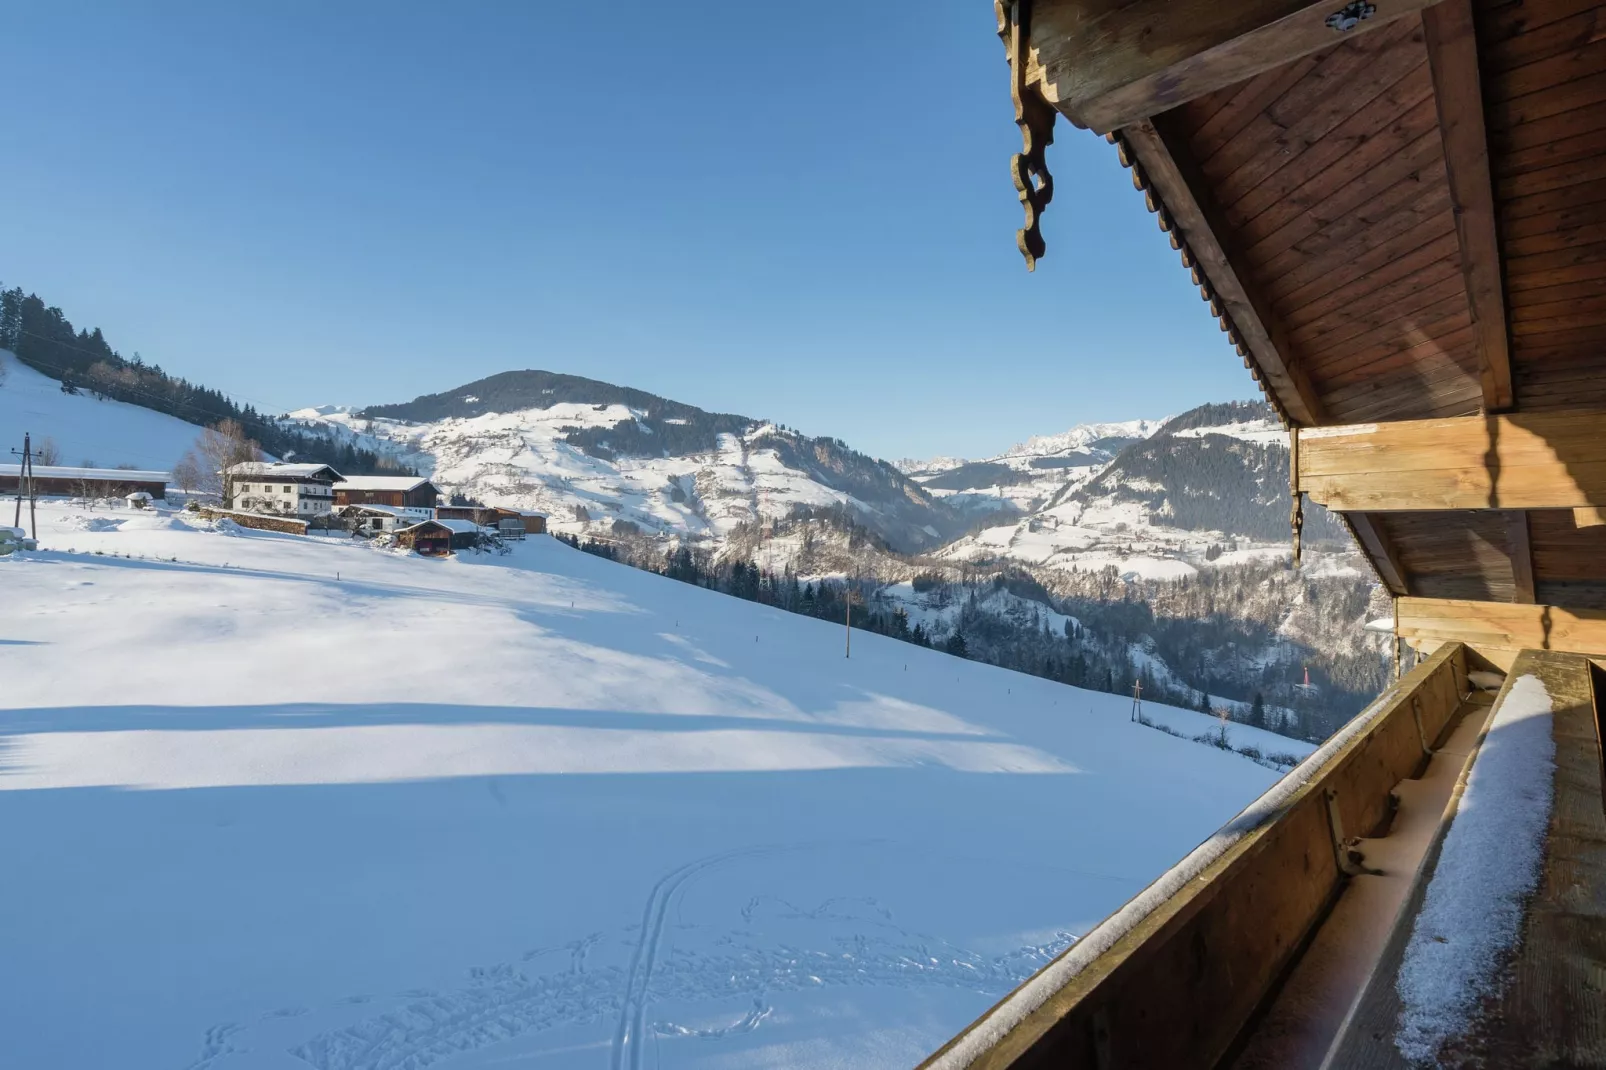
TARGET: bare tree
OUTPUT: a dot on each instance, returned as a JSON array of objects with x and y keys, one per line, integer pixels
[
  {"x": 204, "y": 466},
  {"x": 45, "y": 451}
]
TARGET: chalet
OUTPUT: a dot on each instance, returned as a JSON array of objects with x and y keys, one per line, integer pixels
[
  {"x": 398, "y": 492},
  {"x": 1394, "y": 212},
  {"x": 439, "y": 537},
  {"x": 280, "y": 489},
  {"x": 57, "y": 481}
]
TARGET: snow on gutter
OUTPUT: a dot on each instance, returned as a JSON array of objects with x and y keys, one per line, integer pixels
[
  {"x": 1489, "y": 865},
  {"x": 1037, "y": 989}
]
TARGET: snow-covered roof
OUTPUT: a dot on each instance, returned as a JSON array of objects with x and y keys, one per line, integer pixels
[
  {"x": 457, "y": 527},
  {"x": 278, "y": 469},
  {"x": 54, "y": 471},
  {"x": 387, "y": 510},
  {"x": 381, "y": 483}
]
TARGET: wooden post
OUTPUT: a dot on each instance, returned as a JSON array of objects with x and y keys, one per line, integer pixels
[{"x": 1137, "y": 700}]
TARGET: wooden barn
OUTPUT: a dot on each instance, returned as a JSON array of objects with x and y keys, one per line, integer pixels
[
  {"x": 398, "y": 492},
  {"x": 57, "y": 481},
  {"x": 1396, "y": 212},
  {"x": 434, "y": 537}
]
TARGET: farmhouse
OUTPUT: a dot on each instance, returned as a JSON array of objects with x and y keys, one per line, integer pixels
[
  {"x": 399, "y": 492},
  {"x": 57, "y": 481},
  {"x": 281, "y": 489}
]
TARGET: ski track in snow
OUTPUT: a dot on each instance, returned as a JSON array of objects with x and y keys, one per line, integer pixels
[
  {"x": 632, "y": 1013},
  {"x": 503, "y": 1001}
]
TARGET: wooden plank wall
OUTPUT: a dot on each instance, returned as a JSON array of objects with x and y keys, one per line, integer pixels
[
  {"x": 1499, "y": 629},
  {"x": 1544, "y": 74},
  {"x": 1176, "y": 990},
  {"x": 1330, "y": 173}
]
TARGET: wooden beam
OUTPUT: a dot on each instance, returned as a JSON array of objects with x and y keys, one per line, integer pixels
[
  {"x": 1522, "y": 556},
  {"x": 1551, "y": 460},
  {"x": 1458, "y": 94},
  {"x": 1500, "y": 629},
  {"x": 1380, "y": 548},
  {"x": 1108, "y": 63},
  {"x": 1172, "y": 172}
]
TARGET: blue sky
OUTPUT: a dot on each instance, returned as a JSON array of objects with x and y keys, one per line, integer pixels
[{"x": 800, "y": 212}]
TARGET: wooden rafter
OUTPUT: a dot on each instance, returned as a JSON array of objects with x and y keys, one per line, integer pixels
[
  {"x": 1380, "y": 548},
  {"x": 1108, "y": 63},
  {"x": 1552, "y": 460},
  {"x": 1163, "y": 162},
  {"x": 1520, "y": 547},
  {"x": 1452, "y": 46}
]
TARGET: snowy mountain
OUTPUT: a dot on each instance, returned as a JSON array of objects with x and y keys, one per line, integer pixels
[
  {"x": 599, "y": 457},
  {"x": 534, "y": 809},
  {"x": 1208, "y": 488},
  {"x": 1029, "y": 474}
]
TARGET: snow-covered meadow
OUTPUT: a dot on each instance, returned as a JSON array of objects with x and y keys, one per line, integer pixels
[{"x": 276, "y": 802}]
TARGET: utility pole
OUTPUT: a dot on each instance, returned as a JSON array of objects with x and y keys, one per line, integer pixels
[
  {"x": 25, "y": 484},
  {"x": 1137, "y": 700}
]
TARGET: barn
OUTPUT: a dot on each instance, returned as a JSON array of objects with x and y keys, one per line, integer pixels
[
  {"x": 398, "y": 492},
  {"x": 439, "y": 537},
  {"x": 57, "y": 481}
]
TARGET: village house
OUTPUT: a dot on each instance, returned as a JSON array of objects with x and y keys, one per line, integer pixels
[
  {"x": 55, "y": 481},
  {"x": 413, "y": 493},
  {"x": 280, "y": 489}
]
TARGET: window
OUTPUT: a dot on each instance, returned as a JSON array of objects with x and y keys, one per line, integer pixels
[{"x": 288, "y": 489}]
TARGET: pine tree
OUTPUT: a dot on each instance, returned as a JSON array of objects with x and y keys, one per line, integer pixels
[{"x": 1257, "y": 711}]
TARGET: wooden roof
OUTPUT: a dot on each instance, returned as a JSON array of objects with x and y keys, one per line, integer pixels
[{"x": 1401, "y": 220}]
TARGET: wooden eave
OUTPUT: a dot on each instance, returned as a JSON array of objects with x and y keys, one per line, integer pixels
[{"x": 1402, "y": 221}]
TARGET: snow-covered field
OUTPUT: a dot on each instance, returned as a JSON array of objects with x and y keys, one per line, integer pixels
[{"x": 276, "y": 802}]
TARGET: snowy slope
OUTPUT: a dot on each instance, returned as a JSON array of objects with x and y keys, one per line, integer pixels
[
  {"x": 101, "y": 433},
  {"x": 276, "y": 801}
]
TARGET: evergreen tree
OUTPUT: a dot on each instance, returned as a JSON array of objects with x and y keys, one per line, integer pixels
[{"x": 1257, "y": 711}]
